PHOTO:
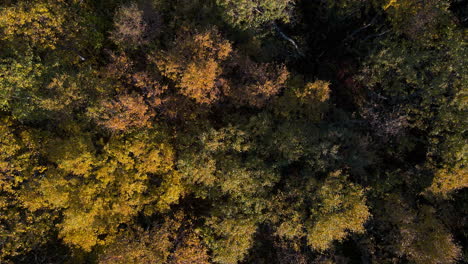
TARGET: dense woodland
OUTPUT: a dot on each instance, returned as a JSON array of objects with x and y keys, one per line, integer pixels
[{"x": 233, "y": 131}]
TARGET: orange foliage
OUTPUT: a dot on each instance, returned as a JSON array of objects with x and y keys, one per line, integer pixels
[
  {"x": 194, "y": 64},
  {"x": 190, "y": 251},
  {"x": 120, "y": 67},
  {"x": 127, "y": 111},
  {"x": 255, "y": 84}
]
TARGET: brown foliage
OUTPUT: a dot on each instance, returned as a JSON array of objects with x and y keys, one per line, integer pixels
[
  {"x": 254, "y": 84},
  {"x": 191, "y": 250},
  {"x": 142, "y": 247},
  {"x": 419, "y": 235},
  {"x": 172, "y": 241},
  {"x": 120, "y": 67},
  {"x": 135, "y": 25},
  {"x": 289, "y": 253},
  {"x": 129, "y": 26}
]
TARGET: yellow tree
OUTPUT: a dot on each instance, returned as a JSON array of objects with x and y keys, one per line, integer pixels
[
  {"x": 339, "y": 210},
  {"x": 21, "y": 230},
  {"x": 40, "y": 24},
  {"x": 447, "y": 181},
  {"x": 98, "y": 191}
]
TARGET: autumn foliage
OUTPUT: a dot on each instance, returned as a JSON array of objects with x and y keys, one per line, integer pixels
[{"x": 233, "y": 131}]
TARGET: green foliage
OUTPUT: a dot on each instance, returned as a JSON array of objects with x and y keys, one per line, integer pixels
[
  {"x": 38, "y": 24},
  {"x": 231, "y": 238},
  {"x": 254, "y": 14},
  {"x": 424, "y": 75},
  {"x": 422, "y": 238}
]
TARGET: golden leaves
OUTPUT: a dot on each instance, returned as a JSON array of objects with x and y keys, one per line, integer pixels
[
  {"x": 194, "y": 63},
  {"x": 446, "y": 181},
  {"x": 127, "y": 111},
  {"x": 341, "y": 209},
  {"x": 40, "y": 24}
]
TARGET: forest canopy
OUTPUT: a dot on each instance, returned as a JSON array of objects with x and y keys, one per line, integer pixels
[{"x": 233, "y": 131}]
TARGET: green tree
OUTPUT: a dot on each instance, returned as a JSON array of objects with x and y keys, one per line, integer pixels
[
  {"x": 419, "y": 235},
  {"x": 254, "y": 14}
]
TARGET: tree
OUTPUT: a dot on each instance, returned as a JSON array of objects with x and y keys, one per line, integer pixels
[
  {"x": 419, "y": 235},
  {"x": 143, "y": 246},
  {"x": 190, "y": 250},
  {"x": 171, "y": 239},
  {"x": 19, "y": 84},
  {"x": 194, "y": 64},
  {"x": 417, "y": 20},
  {"x": 303, "y": 100},
  {"x": 38, "y": 24},
  {"x": 158, "y": 131},
  {"x": 112, "y": 186},
  {"x": 129, "y": 26},
  {"x": 253, "y": 14},
  {"x": 254, "y": 84},
  {"x": 340, "y": 209},
  {"x": 40, "y": 52},
  {"x": 231, "y": 238},
  {"x": 447, "y": 181},
  {"x": 126, "y": 112},
  {"x": 21, "y": 230},
  {"x": 421, "y": 76}
]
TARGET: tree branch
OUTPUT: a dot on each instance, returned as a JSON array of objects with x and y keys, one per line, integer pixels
[{"x": 290, "y": 40}]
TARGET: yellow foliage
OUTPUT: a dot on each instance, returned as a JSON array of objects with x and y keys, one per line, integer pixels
[
  {"x": 17, "y": 157},
  {"x": 446, "y": 181},
  {"x": 313, "y": 92},
  {"x": 301, "y": 99},
  {"x": 73, "y": 155},
  {"x": 237, "y": 238},
  {"x": 292, "y": 228},
  {"x": 99, "y": 190},
  {"x": 391, "y": 3},
  {"x": 342, "y": 209},
  {"x": 39, "y": 24},
  {"x": 81, "y": 229},
  {"x": 170, "y": 191}
]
